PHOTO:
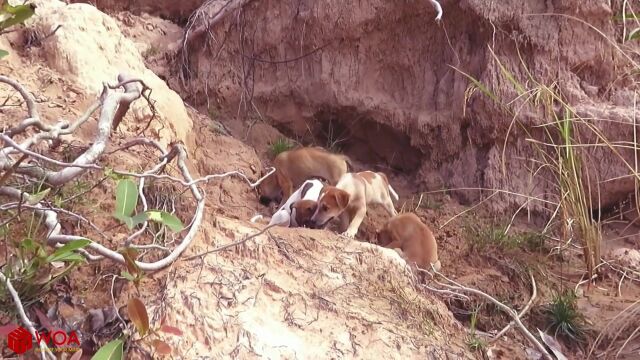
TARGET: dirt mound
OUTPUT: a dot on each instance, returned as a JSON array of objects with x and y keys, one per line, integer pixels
[
  {"x": 377, "y": 79},
  {"x": 105, "y": 53},
  {"x": 298, "y": 294}
]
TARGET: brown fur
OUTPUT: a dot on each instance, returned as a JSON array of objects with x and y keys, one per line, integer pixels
[
  {"x": 409, "y": 234},
  {"x": 303, "y": 210},
  {"x": 366, "y": 176},
  {"x": 333, "y": 203},
  {"x": 360, "y": 189},
  {"x": 294, "y": 167}
]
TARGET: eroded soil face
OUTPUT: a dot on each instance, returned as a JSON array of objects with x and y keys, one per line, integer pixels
[{"x": 381, "y": 83}]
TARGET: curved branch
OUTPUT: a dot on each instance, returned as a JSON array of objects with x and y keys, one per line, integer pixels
[
  {"x": 534, "y": 293},
  {"x": 31, "y": 105},
  {"x": 512, "y": 313},
  {"x": 44, "y": 349}
]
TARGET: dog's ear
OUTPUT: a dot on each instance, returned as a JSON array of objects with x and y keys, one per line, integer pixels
[
  {"x": 305, "y": 188},
  {"x": 342, "y": 198}
]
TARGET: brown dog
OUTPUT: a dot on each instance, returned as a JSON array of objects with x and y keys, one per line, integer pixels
[
  {"x": 301, "y": 212},
  {"x": 349, "y": 200},
  {"x": 407, "y": 233},
  {"x": 295, "y": 166}
]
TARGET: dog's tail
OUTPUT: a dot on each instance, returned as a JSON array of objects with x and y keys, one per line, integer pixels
[
  {"x": 393, "y": 193},
  {"x": 348, "y": 161}
]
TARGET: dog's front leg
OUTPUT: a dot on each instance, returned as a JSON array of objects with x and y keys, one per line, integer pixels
[
  {"x": 345, "y": 219},
  {"x": 357, "y": 219}
]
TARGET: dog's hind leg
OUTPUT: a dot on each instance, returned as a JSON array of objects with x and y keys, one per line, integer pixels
[{"x": 388, "y": 205}]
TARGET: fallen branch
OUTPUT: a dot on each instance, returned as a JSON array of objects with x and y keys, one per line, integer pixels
[
  {"x": 534, "y": 293},
  {"x": 44, "y": 349},
  {"x": 29, "y": 100},
  {"x": 512, "y": 313}
]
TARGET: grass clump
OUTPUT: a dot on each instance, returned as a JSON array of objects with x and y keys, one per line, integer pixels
[
  {"x": 559, "y": 149},
  {"x": 564, "y": 318},
  {"x": 474, "y": 342},
  {"x": 482, "y": 236},
  {"x": 279, "y": 146}
]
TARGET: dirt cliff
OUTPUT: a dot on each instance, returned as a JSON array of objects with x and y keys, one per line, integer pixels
[{"x": 379, "y": 79}]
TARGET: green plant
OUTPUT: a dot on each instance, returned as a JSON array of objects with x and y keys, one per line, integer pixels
[
  {"x": 557, "y": 152},
  {"x": 126, "y": 201},
  {"x": 474, "y": 342},
  {"x": 532, "y": 241},
  {"x": 33, "y": 271},
  {"x": 479, "y": 235},
  {"x": 279, "y": 146},
  {"x": 563, "y": 317},
  {"x": 151, "y": 51},
  {"x": 634, "y": 32},
  {"x": 13, "y": 15}
]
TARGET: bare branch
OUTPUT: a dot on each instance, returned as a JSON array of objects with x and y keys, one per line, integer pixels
[
  {"x": 534, "y": 293},
  {"x": 28, "y": 98},
  {"x": 512, "y": 313}
]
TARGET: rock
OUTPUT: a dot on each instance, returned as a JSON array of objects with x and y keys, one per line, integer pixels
[
  {"x": 103, "y": 54},
  {"x": 626, "y": 257}
]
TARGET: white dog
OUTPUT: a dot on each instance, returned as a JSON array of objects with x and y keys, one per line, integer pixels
[{"x": 310, "y": 190}]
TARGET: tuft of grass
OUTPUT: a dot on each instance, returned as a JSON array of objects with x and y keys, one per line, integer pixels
[
  {"x": 481, "y": 236},
  {"x": 532, "y": 241},
  {"x": 559, "y": 150},
  {"x": 150, "y": 52},
  {"x": 474, "y": 342},
  {"x": 564, "y": 318},
  {"x": 279, "y": 146}
]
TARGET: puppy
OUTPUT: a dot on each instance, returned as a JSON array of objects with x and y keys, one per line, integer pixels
[
  {"x": 293, "y": 167},
  {"x": 301, "y": 213},
  {"x": 349, "y": 200},
  {"x": 410, "y": 235},
  {"x": 310, "y": 190}
]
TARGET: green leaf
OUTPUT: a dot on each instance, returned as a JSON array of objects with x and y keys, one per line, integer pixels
[
  {"x": 111, "y": 351},
  {"x": 125, "y": 219},
  {"x": 127, "y": 275},
  {"x": 3, "y": 53},
  {"x": 66, "y": 253},
  {"x": 19, "y": 13},
  {"x": 138, "y": 314},
  {"x": 139, "y": 218},
  {"x": 172, "y": 222},
  {"x": 72, "y": 257},
  {"x": 167, "y": 219},
  {"x": 126, "y": 197},
  {"x": 36, "y": 198}
]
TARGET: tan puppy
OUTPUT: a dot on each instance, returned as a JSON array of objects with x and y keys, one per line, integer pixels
[
  {"x": 295, "y": 166},
  {"x": 407, "y": 233},
  {"x": 301, "y": 212},
  {"x": 350, "y": 197}
]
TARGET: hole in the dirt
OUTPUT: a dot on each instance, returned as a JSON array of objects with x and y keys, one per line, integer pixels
[{"x": 359, "y": 136}]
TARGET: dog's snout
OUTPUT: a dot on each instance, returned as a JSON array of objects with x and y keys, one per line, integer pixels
[{"x": 264, "y": 200}]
